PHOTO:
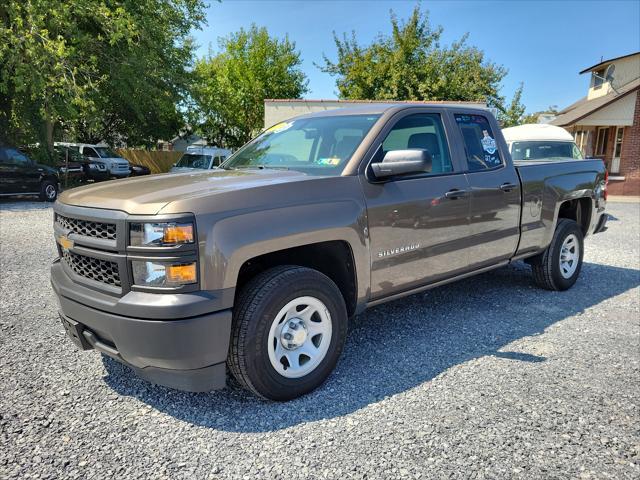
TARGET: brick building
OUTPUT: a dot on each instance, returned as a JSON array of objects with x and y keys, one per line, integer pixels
[{"x": 606, "y": 123}]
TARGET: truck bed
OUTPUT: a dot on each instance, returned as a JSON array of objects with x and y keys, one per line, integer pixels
[{"x": 545, "y": 185}]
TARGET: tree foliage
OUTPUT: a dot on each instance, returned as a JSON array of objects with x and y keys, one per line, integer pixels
[
  {"x": 412, "y": 64},
  {"x": 97, "y": 69},
  {"x": 512, "y": 114},
  {"x": 230, "y": 86}
]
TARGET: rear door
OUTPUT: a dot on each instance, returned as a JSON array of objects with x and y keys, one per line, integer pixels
[
  {"x": 494, "y": 218},
  {"x": 418, "y": 224}
]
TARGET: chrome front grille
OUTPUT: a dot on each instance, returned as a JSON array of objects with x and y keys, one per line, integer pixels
[
  {"x": 93, "y": 268},
  {"x": 87, "y": 228}
]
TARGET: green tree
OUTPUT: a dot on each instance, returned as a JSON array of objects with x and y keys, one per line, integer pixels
[
  {"x": 512, "y": 114},
  {"x": 411, "y": 64},
  {"x": 95, "y": 69},
  {"x": 231, "y": 85}
]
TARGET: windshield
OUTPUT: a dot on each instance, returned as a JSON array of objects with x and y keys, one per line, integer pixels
[
  {"x": 190, "y": 160},
  {"x": 541, "y": 150},
  {"x": 318, "y": 145},
  {"x": 105, "y": 152}
]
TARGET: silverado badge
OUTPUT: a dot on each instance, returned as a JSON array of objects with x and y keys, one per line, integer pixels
[{"x": 396, "y": 251}]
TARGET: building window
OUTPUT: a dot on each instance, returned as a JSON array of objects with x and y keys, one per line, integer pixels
[
  {"x": 581, "y": 138},
  {"x": 578, "y": 136},
  {"x": 601, "y": 142},
  {"x": 617, "y": 150},
  {"x": 598, "y": 79}
]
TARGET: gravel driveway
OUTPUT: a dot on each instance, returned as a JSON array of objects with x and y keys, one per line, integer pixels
[{"x": 487, "y": 378}]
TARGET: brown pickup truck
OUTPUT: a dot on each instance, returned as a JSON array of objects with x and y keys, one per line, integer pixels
[{"x": 256, "y": 267}]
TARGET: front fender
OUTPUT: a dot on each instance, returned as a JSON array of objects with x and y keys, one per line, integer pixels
[{"x": 232, "y": 241}]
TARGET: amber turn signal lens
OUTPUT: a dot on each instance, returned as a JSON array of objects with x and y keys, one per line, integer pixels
[
  {"x": 181, "y": 274},
  {"x": 176, "y": 234}
]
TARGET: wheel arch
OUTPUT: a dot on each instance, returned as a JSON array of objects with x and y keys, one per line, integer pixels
[
  {"x": 579, "y": 210},
  {"x": 332, "y": 258}
]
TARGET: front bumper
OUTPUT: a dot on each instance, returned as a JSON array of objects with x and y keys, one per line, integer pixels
[{"x": 186, "y": 353}]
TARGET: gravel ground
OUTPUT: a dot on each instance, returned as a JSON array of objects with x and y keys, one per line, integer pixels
[{"x": 487, "y": 378}]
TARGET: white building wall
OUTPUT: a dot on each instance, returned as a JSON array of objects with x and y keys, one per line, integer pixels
[
  {"x": 626, "y": 70},
  {"x": 276, "y": 111},
  {"x": 619, "y": 113}
]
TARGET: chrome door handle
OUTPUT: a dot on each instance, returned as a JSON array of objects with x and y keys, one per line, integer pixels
[{"x": 507, "y": 187}]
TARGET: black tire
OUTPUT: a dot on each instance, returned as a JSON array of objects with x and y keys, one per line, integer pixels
[
  {"x": 546, "y": 266},
  {"x": 256, "y": 309},
  {"x": 48, "y": 191}
]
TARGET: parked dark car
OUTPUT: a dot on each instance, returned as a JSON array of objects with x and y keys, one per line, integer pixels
[
  {"x": 138, "y": 170},
  {"x": 19, "y": 175}
]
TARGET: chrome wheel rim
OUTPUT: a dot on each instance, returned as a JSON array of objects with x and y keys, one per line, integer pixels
[
  {"x": 569, "y": 256},
  {"x": 299, "y": 337},
  {"x": 50, "y": 191}
]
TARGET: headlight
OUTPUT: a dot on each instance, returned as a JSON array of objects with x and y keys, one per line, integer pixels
[
  {"x": 160, "y": 234},
  {"x": 156, "y": 274}
]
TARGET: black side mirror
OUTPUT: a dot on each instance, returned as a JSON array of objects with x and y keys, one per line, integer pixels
[{"x": 403, "y": 162}]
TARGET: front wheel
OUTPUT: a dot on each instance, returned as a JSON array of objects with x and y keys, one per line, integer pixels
[
  {"x": 289, "y": 327},
  {"x": 48, "y": 191},
  {"x": 558, "y": 267}
]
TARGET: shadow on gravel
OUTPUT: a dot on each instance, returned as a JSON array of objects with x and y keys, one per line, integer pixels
[
  {"x": 395, "y": 347},
  {"x": 23, "y": 204}
]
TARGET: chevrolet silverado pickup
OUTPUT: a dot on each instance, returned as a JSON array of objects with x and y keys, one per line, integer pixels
[{"x": 254, "y": 268}]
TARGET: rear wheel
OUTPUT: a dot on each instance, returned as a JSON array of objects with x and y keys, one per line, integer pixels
[
  {"x": 289, "y": 328},
  {"x": 558, "y": 267},
  {"x": 48, "y": 191}
]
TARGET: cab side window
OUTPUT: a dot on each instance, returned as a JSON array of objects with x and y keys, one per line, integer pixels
[
  {"x": 422, "y": 131},
  {"x": 90, "y": 152},
  {"x": 14, "y": 157},
  {"x": 479, "y": 141},
  {"x": 4, "y": 158}
]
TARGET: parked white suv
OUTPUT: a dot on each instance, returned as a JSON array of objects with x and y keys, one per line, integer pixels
[
  {"x": 116, "y": 165},
  {"x": 541, "y": 142},
  {"x": 200, "y": 158}
]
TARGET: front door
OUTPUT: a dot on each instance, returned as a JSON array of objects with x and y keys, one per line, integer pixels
[
  {"x": 494, "y": 218},
  {"x": 617, "y": 151},
  {"x": 18, "y": 174},
  {"x": 418, "y": 225}
]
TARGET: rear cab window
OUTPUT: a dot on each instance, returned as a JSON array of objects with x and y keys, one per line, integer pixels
[{"x": 479, "y": 142}]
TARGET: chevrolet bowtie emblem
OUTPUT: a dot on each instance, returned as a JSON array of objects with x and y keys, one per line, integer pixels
[{"x": 65, "y": 242}]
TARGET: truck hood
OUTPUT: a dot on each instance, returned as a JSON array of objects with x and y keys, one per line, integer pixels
[
  {"x": 148, "y": 195},
  {"x": 185, "y": 169}
]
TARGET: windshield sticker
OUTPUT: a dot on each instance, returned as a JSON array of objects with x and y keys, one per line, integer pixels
[
  {"x": 279, "y": 127},
  {"x": 333, "y": 161},
  {"x": 488, "y": 143}
]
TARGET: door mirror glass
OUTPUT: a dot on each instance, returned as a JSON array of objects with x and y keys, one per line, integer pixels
[{"x": 403, "y": 162}]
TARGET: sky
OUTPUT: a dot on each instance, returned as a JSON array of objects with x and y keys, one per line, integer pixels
[{"x": 543, "y": 43}]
